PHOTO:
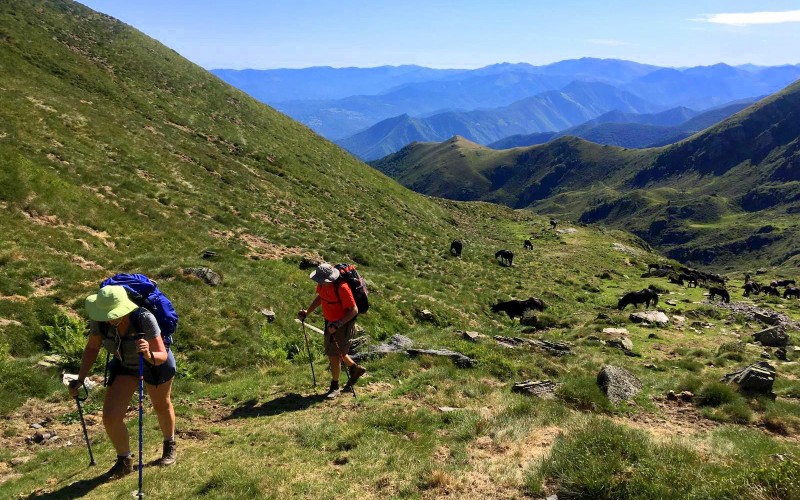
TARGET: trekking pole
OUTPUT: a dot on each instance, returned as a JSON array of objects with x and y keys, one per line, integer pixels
[
  {"x": 341, "y": 362},
  {"x": 78, "y": 400},
  {"x": 308, "y": 348},
  {"x": 140, "y": 336}
]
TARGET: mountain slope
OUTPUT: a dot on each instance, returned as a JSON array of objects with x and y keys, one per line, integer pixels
[
  {"x": 701, "y": 199},
  {"x": 548, "y": 111},
  {"x": 119, "y": 155}
]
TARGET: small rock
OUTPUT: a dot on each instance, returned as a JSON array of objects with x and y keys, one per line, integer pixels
[
  {"x": 616, "y": 331},
  {"x": 671, "y": 396},
  {"x": 269, "y": 314},
  {"x": 686, "y": 396},
  {"x": 471, "y": 336},
  {"x": 623, "y": 343},
  {"x": 653, "y": 336},
  {"x": 657, "y": 317},
  {"x": 670, "y": 303},
  {"x": 544, "y": 389},
  {"x": 426, "y": 315},
  {"x": 602, "y": 316},
  {"x": 204, "y": 273},
  {"x": 447, "y": 409},
  {"x": 208, "y": 254},
  {"x": 679, "y": 320},
  {"x": 36, "y": 426},
  {"x": 766, "y": 355},
  {"x": 650, "y": 366},
  {"x": 618, "y": 383},
  {"x": 19, "y": 461}
]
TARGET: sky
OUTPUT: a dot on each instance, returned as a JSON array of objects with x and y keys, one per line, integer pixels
[{"x": 266, "y": 34}]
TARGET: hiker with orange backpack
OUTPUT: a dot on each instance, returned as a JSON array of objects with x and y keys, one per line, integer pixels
[
  {"x": 339, "y": 309},
  {"x": 132, "y": 334}
]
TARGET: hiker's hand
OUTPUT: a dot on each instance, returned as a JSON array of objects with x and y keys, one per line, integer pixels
[
  {"x": 301, "y": 315},
  {"x": 333, "y": 326},
  {"x": 143, "y": 348},
  {"x": 74, "y": 386}
]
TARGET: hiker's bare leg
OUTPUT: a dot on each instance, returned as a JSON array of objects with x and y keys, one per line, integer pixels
[
  {"x": 348, "y": 360},
  {"x": 335, "y": 367},
  {"x": 118, "y": 396},
  {"x": 162, "y": 404}
]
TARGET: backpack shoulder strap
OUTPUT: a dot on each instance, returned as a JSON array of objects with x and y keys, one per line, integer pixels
[{"x": 136, "y": 320}]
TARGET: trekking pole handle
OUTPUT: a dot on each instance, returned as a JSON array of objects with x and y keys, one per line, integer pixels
[{"x": 73, "y": 385}]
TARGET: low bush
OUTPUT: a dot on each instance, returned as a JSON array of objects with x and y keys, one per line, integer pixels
[
  {"x": 66, "y": 338},
  {"x": 716, "y": 394}
]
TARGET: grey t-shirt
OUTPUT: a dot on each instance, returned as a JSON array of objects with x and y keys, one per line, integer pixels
[{"x": 122, "y": 344}]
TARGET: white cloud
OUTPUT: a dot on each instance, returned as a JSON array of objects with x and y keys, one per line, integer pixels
[
  {"x": 606, "y": 41},
  {"x": 748, "y": 18}
]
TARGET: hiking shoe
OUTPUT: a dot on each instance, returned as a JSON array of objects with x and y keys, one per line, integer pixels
[
  {"x": 169, "y": 455},
  {"x": 122, "y": 467},
  {"x": 355, "y": 371},
  {"x": 333, "y": 391}
]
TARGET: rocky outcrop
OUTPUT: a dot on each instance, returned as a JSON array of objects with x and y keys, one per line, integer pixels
[
  {"x": 772, "y": 337},
  {"x": 544, "y": 389},
  {"x": 757, "y": 378},
  {"x": 458, "y": 359}
]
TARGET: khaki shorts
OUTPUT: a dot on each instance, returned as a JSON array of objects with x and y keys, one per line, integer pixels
[{"x": 343, "y": 337}]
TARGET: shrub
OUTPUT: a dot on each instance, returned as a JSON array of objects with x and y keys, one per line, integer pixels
[
  {"x": 583, "y": 393},
  {"x": 716, "y": 394},
  {"x": 66, "y": 338}
]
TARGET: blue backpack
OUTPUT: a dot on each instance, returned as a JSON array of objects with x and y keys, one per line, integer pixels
[{"x": 144, "y": 293}]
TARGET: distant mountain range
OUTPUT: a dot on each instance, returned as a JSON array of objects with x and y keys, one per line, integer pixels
[
  {"x": 730, "y": 193},
  {"x": 549, "y": 111},
  {"x": 340, "y": 102},
  {"x": 630, "y": 130}
]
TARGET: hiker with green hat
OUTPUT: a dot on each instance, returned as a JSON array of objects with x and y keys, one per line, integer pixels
[
  {"x": 115, "y": 324},
  {"x": 339, "y": 310}
]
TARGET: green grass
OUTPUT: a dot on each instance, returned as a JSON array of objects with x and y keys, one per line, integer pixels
[{"x": 147, "y": 161}]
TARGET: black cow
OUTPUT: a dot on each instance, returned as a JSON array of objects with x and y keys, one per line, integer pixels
[
  {"x": 751, "y": 287},
  {"x": 690, "y": 279},
  {"x": 723, "y": 294},
  {"x": 675, "y": 279},
  {"x": 778, "y": 283},
  {"x": 505, "y": 257},
  {"x": 516, "y": 308},
  {"x": 770, "y": 290},
  {"x": 553, "y": 223},
  {"x": 791, "y": 291},
  {"x": 455, "y": 248},
  {"x": 528, "y": 245},
  {"x": 641, "y": 297}
]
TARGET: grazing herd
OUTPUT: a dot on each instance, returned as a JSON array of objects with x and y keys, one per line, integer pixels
[{"x": 678, "y": 275}]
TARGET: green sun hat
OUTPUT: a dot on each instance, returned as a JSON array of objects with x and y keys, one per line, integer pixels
[{"x": 111, "y": 302}]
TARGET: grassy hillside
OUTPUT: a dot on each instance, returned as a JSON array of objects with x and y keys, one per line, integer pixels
[
  {"x": 704, "y": 200},
  {"x": 119, "y": 155}
]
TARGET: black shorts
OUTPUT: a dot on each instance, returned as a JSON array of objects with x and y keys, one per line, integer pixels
[{"x": 153, "y": 375}]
